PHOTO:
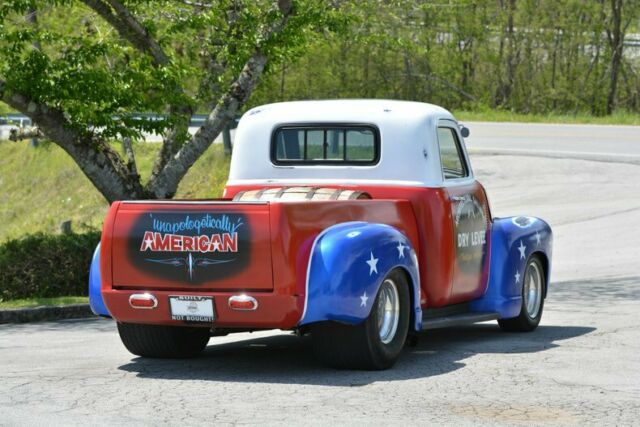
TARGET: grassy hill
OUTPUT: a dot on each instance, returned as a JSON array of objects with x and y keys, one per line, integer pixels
[{"x": 41, "y": 187}]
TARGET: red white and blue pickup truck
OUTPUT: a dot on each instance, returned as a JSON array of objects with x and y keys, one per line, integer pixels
[{"x": 359, "y": 222}]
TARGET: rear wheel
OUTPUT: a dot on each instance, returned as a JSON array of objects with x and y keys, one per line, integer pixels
[
  {"x": 160, "y": 341},
  {"x": 533, "y": 287},
  {"x": 375, "y": 343}
]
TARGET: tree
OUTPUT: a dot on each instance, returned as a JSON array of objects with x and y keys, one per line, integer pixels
[
  {"x": 615, "y": 35},
  {"x": 83, "y": 69}
]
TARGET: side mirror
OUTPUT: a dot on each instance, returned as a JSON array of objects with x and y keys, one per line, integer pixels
[{"x": 464, "y": 131}]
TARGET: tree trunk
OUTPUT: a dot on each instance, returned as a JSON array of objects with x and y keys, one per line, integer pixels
[
  {"x": 557, "y": 33},
  {"x": 282, "y": 80},
  {"x": 505, "y": 86},
  {"x": 32, "y": 18},
  {"x": 166, "y": 183},
  {"x": 616, "y": 42},
  {"x": 97, "y": 160}
]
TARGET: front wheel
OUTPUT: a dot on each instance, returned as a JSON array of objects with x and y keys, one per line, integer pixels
[
  {"x": 166, "y": 342},
  {"x": 533, "y": 287},
  {"x": 374, "y": 344}
]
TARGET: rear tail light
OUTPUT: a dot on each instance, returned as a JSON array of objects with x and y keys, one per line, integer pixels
[
  {"x": 243, "y": 302},
  {"x": 143, "y": 301}
]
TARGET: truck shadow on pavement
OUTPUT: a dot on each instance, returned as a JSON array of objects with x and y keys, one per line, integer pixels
[{"x": 289, "y": 359}]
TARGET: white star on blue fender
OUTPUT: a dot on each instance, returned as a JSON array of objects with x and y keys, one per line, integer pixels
[
  {"x": 373, "y": 265},
  {"x": 401, "y": 249},
  {"x": 537, "y": 239},
  {"x": 522, "y": 248},
  {"x": 363, "y": 299},
  {"x": 517, "y": 276}
]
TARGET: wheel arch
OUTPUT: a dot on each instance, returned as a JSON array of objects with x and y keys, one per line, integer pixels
[
  {"x": 348, "y": 263},
  {"x": 513, "y": 241},
  {"x": 96, "y": 302},
  {"x": 413, "y": 302}
]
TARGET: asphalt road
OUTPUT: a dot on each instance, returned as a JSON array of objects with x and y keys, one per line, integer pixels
[
  {"x": 595, "y": 142},
  {"x": 580, "y": 367}
]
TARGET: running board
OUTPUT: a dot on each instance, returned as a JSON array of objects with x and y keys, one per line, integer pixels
[{"x": 457, "y": 320}]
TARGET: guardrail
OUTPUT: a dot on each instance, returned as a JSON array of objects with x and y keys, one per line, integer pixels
[
  {"x": 16, "y": 119},
  {"x": 13, "y": 121}
]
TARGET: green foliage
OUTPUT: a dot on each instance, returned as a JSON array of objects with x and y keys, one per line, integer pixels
[
  {"x": 72, "y": 59},
  {"x": 4, "y": 108},
  {"x": 39, "y": 302},
  {"x": 42, "y": 265},
  {"x": 460, "y": 54},
  {"x": 83, "y": 68}
]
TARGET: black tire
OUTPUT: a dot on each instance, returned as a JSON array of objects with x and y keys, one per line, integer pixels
[
  {"x": 165, "y": 342},
  {"x": 360, "y": 346},
  {"x": 525, "y": 322}
]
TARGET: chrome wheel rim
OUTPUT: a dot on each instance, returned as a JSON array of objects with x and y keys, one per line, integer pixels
[
  {"x": 388, "y": 311},
  {"x": 533, "y": 290}
]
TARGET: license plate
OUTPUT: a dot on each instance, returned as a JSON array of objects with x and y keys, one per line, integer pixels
[{"x": 191, "y": 308}]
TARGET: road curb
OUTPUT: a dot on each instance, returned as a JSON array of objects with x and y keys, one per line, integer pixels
[{"x": 40, "y": 314}]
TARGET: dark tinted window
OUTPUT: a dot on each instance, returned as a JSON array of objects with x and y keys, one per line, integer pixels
[
  {"x": 453, "y": 165},
  {"x": 339, "y": 144}
]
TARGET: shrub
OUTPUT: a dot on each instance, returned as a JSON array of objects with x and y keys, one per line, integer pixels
[{"x": 44, "y": 265}]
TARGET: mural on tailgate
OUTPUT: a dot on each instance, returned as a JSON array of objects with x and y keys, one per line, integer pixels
[{"x": 197, "y": 247}]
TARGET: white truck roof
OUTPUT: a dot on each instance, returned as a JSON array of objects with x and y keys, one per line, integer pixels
[{"x": 408, "y": 147}]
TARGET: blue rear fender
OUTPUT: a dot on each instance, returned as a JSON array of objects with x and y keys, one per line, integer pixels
[
  {"x": 347, "y": 265},
  {"x": 95, "y": 286},
  {"x": 513, "y": 241}
]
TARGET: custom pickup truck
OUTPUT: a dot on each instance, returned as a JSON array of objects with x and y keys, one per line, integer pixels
[{"x": 357, "y": 221}]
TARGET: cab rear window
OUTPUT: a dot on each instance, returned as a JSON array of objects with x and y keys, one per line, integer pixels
[{"x": 325, "y": 144}]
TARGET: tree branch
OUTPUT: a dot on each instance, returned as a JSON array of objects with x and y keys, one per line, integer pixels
[
  {"x": 166, "y": 182},
  {"x": 129, "y": 28},
  {"x": 32, "y": 18},
  {"x": 127, "y": 145},
  {"x": 97, "y": 160}
]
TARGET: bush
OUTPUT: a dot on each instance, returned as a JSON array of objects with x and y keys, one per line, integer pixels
[{"x": 44, "y": 265}]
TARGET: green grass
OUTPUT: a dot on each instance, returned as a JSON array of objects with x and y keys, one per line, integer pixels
[
  {"x": 617, "y": 118},
  {"x": 41, "y": 187},
  {"x": 5, "y": 109},
  {"x": 37, "y": 302}
]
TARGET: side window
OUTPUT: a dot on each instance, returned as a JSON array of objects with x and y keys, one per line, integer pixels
[{"x": 453, "y": 165}]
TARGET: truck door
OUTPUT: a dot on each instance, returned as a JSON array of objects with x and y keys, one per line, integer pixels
[{"x": 470, "y": 217}]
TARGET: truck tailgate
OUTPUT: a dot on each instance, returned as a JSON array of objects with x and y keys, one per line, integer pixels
[{"x": 191, "y": 246}]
